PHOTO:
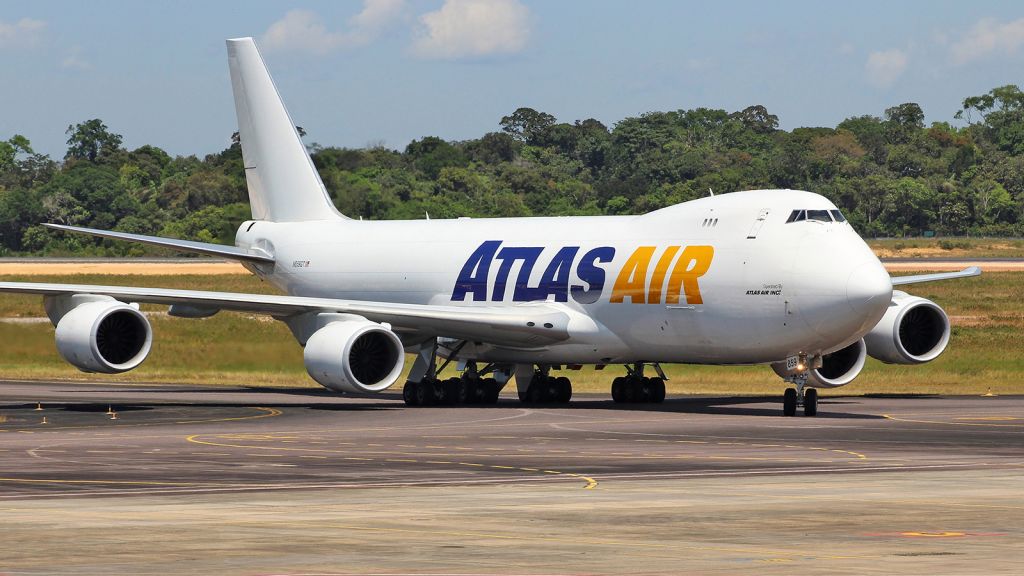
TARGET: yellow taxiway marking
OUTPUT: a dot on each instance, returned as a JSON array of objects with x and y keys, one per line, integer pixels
[
  {"x": 589, "y": 483},
  {"x": 949, "y": 423},
  {"x": 265, "y": 413},
  {"x": 989, "y": 418}
]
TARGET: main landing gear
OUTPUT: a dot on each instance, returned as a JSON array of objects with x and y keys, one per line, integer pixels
[
  {"x": 424, "y": 388},
  {"x": 634, "y": 387},
  {"x": 546, "y": 389},
  {"x": 795, "y": 397}
]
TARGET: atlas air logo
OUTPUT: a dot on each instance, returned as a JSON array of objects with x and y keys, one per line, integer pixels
[{"x": 648, "y": 276}]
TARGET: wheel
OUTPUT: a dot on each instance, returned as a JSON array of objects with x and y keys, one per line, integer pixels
[
  {"x": 536, "y": 393},
  {"x": 409, "y": 393},
  {"x": 425, "y": 393},
  {"x": 439, "y": 392},
  {"x": 617, "y": 389},
  {"x": 491, "y": 390},
  {"x": 465, "y": 392},
  {"x": 643, "y": 390},
  {"x": 789, "y": 402},
  {"x": 810, "y": 402},
  {"x": 564, "y": 390},
  {"x": 657, "y": 390},
  {"x": 630, "y": 390}
]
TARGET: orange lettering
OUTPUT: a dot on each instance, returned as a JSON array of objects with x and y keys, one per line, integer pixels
[
  {"x": 632, "y": 280},
  {"x": 693, "y": 264},
  {"x": 658, "y": 279}
]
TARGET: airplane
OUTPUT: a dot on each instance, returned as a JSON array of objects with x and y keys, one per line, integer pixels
[{"x": 775, "y": 277}]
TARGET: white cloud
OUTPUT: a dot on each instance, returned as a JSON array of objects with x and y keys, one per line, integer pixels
[
  {"x": 473, "y": 28},
  {"x": 885, "y": 67},
  {"x": 75, "y": 61},
  {"x": 988, "y": 35},
  {"x": 303, "y": 31},
  {"x": 24, "y": 32}
]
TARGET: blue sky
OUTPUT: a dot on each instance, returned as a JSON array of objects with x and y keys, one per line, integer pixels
[{"x": 366, "y": 72}]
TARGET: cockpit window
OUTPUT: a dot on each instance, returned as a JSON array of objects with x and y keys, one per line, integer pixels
[{"x": 816, "y": 215}]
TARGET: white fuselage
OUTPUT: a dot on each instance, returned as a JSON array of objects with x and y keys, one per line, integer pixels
[{"x": 720, "y": 280}]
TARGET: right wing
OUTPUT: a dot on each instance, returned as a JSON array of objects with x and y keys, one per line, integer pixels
[
  {"x": 525, "y": 325},
  {"x": 965, "y": 273}
]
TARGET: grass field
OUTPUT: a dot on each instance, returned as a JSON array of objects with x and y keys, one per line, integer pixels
[
  {"x": 986, "y": 351},
  {"x": 948, "y": 247}
]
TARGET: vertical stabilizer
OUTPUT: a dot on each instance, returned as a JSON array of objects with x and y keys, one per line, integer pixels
[{"x": 283, "y": 183}]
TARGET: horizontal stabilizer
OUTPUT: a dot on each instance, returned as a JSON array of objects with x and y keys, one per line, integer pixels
[
  {"x": 221, "y": 250},
  {"x": 965, "y": 273}
]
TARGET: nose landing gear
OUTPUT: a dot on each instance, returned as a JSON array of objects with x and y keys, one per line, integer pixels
[{"x": 795, "y": 397}]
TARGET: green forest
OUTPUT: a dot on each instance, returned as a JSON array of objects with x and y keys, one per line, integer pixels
[{"x": 891, "y": 174}]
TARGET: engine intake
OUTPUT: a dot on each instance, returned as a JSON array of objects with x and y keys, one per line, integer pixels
[
  {"x": 105, "y": 336},
  {"x": 913, "y": 331},
  {"x": 837, "y": 368},
  {"x": 354, "y": 356}
]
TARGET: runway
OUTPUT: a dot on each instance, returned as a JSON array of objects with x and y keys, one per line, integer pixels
[{"x": 299, "y": 480}]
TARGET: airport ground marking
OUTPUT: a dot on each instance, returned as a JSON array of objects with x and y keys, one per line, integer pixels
[
  {"x": 589, "y": 482},
  {"x": 949, "y": 423}
]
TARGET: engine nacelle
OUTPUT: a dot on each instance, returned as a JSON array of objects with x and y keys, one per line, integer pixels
[
  {"x": 104, "y": 336},
  {"x": 914, "y": 330},
  {"x": 354, "y": 356},
  {"x": 837, "y": 369}
]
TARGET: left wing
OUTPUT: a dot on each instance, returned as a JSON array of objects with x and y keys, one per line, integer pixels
[
  {"x": 965, "y": 273},
  {"x": 530, "y": 324}
]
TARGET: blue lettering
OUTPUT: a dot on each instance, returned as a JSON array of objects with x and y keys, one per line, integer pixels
[
  {"x": 592, "y": 274},
  {"x": 473, "y": 277},
  {"x": 508, "y": 256},
  {"x": 555, "y": 280}
]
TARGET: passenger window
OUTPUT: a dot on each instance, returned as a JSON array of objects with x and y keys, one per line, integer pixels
[
  {"x": 838, "y": 216},
  {"x": 819, "y": 215}
]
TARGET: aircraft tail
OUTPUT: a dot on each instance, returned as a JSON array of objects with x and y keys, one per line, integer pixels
[{"x": 284, "y": 186}]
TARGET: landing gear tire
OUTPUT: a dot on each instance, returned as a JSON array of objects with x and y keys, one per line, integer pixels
[
  {"x": 563, "y": 389},
  {"x": 618, "y": 392},
  {"x": 810, "y": 402},
  {"x": 657, "y": 390},
  {"x": 409, "y": 393},
  {"x": 789, "y": 402},
  {"x": 491, "y": 390}
]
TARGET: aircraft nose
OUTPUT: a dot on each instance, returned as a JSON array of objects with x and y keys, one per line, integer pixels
[{"x": 869, "y": 289}]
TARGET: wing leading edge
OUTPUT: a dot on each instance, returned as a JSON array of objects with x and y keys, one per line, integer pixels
[
  {"x": 917, "y": 278},
  {"x": 224, "y": 251},
  {"x": 524, "y": 325}
]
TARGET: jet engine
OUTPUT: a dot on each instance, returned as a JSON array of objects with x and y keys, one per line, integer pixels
[
  {"x": 913, "y": 331},
  {"x": 104, "y": 336},
  {"x": 838, "y": 368},
  {"x": 354, "y": 356}
]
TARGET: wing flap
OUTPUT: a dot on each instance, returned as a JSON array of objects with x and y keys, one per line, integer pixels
[{"x": 527, "y": 324}]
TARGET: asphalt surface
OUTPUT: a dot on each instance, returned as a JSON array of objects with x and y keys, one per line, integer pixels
[{"x": 286, "y": 481}]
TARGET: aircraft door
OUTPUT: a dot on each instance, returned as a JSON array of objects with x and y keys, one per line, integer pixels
[{"x": 761, "y": 217}]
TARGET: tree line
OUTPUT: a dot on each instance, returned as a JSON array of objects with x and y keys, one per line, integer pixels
[{"x": 892, "y": 175}]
